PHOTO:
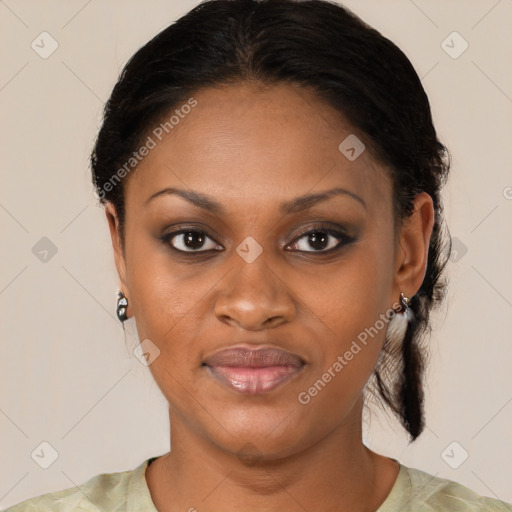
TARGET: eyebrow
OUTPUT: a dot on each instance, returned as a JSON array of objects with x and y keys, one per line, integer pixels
[{"x": 293, "y": 206}]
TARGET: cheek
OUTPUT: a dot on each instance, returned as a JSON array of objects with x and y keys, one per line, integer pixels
[
  {"x": 349, "y": 304},
  {"x": 167, "y": 307},
  {"x": 349, "y": 296},
  {"x": 159, "y": 296}
]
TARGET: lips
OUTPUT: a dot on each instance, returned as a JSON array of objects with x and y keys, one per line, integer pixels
[{"x": 253, "y": 371}]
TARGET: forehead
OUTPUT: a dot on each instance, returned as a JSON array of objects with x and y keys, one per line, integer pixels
[{"x": 258, "y": 143}]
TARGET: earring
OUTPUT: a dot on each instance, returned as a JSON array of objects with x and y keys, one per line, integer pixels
[
  {"x": 398, "y": 324},
  {"x": 122, "y": 304},
  {"x": 404, "y": 301}
]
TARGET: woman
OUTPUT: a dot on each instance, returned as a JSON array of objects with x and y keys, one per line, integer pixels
[{"x": 271, "y": 179}]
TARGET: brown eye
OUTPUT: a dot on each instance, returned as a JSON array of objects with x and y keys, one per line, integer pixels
[
  {"x": 190, "y": 241},
  {"x": 321, "y": 240}
]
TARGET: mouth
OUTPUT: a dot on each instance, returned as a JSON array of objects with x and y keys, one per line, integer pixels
[{"x": 253, "y": 371}]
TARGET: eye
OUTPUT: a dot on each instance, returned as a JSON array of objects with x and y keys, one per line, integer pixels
[
  {"x": 321, "y": 239},
  {"x": 190, "y": 240}
]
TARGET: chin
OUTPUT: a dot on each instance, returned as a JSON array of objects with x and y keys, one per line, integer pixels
[{"x": 268, "y": 434}]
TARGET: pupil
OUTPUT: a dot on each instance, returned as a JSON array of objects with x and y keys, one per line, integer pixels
[
  {"x": 189, "y": 240},
  {"x": 318, "y": 238}
]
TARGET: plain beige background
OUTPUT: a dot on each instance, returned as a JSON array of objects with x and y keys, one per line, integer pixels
[{"x": 66, "y": 376}]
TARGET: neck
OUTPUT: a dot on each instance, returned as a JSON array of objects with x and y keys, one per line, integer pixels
[{"x": 339, "y": 472}]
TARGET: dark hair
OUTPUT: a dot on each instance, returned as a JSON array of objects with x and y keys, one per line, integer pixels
[{"x": 322, "y": 46}]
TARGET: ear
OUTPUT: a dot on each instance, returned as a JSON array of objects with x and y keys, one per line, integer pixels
[
  {"x": 115, "y": 234},
  {"x": 412, "y": 248}
]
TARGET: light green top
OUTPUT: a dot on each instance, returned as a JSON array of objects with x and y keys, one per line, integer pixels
[{"x": 127, "y": 491}]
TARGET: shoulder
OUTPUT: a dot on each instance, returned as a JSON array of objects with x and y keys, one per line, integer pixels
[
  {"x": 432, "y": 493},
  {"x": 106, "y": 491}
]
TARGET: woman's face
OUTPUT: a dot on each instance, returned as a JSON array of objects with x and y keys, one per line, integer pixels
[{"x": 249, "y": 274}]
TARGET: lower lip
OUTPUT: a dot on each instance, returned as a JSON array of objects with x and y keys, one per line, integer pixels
[{"x": 253, "y": 381}]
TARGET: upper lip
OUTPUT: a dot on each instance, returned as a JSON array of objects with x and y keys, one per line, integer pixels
[{"x": 241, "y": 356}]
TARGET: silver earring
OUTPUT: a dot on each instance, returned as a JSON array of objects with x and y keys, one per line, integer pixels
[
  {"x": 397, "y": 326},
  {"x": 404, "y": 301},
  {"x": 122, "y": 304}
]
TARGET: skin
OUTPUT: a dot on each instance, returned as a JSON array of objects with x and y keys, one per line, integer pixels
[{"x": 250, "y": 148}]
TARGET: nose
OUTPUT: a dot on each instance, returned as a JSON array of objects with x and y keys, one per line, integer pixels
[{"x": 254, "y": 297}]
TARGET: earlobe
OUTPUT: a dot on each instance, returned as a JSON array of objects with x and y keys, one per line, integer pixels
[{"x": 414, "y": 241}]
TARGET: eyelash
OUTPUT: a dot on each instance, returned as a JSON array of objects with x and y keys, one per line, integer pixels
[{"x": 344, "y": 240}]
